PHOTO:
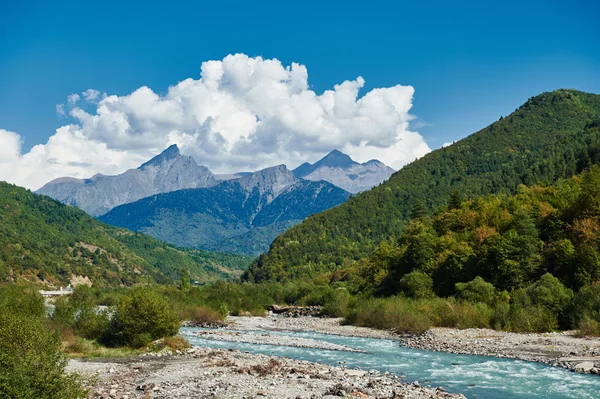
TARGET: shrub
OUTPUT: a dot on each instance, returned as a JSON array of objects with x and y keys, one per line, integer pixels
[
  {"x": 31, "y": 361},
  {"x": 532, "y": 319},
  {"x": 477, "y": 290},
  {"x": 336, "y": 303},
  {"x": 175, "y": 343},
  {"x": 25, "y": 301},
  {"x": 141, "y": 317},
  {"x": 586, "y": 305},
  {"x": 417, "y": 285},
  {"x": 589, "y": 327},
  {"x": 550, "y": 293},
  {"x": 458, "y": 314},
  {"x": 202, "y": 314},
  {"x": 397, "y": 313}
]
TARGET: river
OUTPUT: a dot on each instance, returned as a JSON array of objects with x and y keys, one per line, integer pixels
[{"x": 473, "y": 376}]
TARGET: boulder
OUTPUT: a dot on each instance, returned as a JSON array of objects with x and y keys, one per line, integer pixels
[{"x": 584, "y": 367}]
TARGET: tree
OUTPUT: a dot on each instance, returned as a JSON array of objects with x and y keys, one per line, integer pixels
[
  {"x": 456, "y": 200},
  {"x": 31, "y": 360},
  {"x": 417, "y": 285},
  {"x": 184, "y": 280},
  {"x": 419, "y": 210},
  {"x": 477, "y": 290},
  {"x": 141, "y": 317}
]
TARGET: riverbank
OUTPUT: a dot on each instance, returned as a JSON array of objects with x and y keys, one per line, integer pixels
[
  {"x": 559, "y": 349},
  {"x": 562, "y": 349},
  {"x": 214, "y": 373}
]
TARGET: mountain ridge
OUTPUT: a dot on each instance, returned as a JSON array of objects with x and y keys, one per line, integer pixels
[
  {"x": 551, "y": 136},
  {"x": 167, "y": 171},
  {"x": 272, "y": 199}
]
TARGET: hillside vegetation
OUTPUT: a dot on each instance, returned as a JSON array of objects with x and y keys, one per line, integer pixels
[
  {"x": 44, "y": 241},
  {"x": 552, "y": 136},
  {"x": 231, "y": 216}
]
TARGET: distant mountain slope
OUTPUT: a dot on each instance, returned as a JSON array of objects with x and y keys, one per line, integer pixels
[
  {"x": 232, "y": 214},
  {"x": 340, "y": 170},
  {"x": 551, "y": 136},
  {"x": 44, "y": 241},
  {"x": 166, "y": 172}
]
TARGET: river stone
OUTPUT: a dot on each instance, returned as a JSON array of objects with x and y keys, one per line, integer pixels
[
  {"x": 584, "y": 367},
  {"x": 355, "y": 373}
]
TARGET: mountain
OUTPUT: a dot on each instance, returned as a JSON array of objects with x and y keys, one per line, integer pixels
[
  {"x": 168, "y": 171},
  {"x": 554, "y": 135},
  {"x": 243, "y": 214},
  {"x": 340, "y": 170},
  {"x": 46, "y": 242}
]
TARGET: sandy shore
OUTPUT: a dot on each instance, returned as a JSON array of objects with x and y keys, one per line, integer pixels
[{"x": 211, "y": 373}]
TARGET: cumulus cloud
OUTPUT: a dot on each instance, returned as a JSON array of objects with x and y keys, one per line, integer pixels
[
  {"x": 73, "y": 98},
  {"x": 91, "y": 95},
  {"x": 243, "y": 113}
]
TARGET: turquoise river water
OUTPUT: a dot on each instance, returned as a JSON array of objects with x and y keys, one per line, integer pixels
[{"x": 473, "y": 376}]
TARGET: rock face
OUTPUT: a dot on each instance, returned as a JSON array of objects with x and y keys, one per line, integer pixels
[
  {"x": 242, "y": 215},
  {"x": 339, "y": 169},
  {"x": 168, "y": 171}
]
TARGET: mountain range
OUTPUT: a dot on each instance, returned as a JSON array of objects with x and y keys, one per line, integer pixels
[
  {"x": 241, "y": 215},
  {"x": 171, "y": 171}
]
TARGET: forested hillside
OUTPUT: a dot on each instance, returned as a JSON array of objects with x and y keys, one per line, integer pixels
[
  {"x": 44, "y": 241},
  {"x": 508, "y": 240},
  {"x": 554, "y": 135}
]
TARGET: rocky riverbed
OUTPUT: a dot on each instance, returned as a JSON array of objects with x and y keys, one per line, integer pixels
[
  {"x": 555, "y": 349},
  {"x": 305, "y": 324},
  {"x": 213, "y": 373}
]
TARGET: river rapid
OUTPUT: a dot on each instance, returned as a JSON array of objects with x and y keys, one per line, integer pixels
[{"x": 473, "y": 376}]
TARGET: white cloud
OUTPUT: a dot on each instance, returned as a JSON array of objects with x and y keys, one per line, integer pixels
[
  {"x": 73, "y": 98},
  {"x": 60, "y": 109},
  {"x": 243, "y": 113},
  {"x": 91, "y": 95}
]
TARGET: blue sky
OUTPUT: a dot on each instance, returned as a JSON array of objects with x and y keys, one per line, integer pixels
[{"x": 469, "y": 62}]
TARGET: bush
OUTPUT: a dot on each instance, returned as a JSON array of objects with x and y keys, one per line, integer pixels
[
  {"x": 176, "y": 343},
  {"x": 477, "y": 290},
  {"x": 532, "y": 319},
  {"x": 31, "y": 361},
  {"x": 25, "y": 301},
  {"x": 589, "y": 327},
  {"x": 397, "y": 313},
  {"x": 417, "y": 285},
  {"x": 141, "y": 317},
  {"x": 586, "y": 305},
  {"x": 336, "y": 303},
  {"x": 458, "y": 314},
  {"x": 549, "y": 293}
]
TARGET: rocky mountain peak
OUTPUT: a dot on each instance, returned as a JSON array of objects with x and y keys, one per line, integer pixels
[
  {"x": 341, "y": 170},
  {"x": 336, "y": 159},
  {"x": 171, "y": 153},
  {"x": 271, "y": 180}
]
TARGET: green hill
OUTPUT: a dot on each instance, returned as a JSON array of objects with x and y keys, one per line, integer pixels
[
  {"x": 44, "y": 241},
  {"x": 554, "y": 135}
]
